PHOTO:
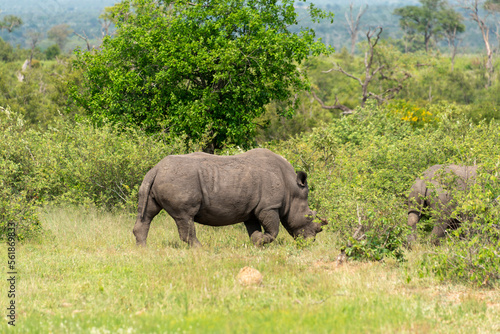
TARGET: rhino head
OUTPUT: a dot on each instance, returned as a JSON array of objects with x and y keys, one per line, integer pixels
[{"x": 299, "y": 220}]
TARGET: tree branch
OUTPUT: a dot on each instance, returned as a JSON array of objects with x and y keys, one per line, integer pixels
[
  {"x": 341, "y": 70},
  {"x": 345, "y": 110},
  {"x": 373, "y": 37},
  {"x": 85, "y": 38}
]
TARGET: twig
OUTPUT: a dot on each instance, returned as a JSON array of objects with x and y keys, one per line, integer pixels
[
  {"x": 32, "y": 157},
  {"x": 85, "y": 38},
  {"x": 345, "y": 110},
  {"x": 388, "y": 235},
  {"x": 113, "y": 190},
  {"x": 356, "y": 235},
  {"x": 341, "y": 70}
]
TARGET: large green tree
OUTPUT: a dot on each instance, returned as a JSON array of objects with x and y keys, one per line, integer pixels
[
  {"x": 423, "y": 20},
  {"x": 201, "y": 68}
]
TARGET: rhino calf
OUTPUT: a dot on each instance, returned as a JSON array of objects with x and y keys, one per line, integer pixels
[
  {"x": 434, "y": 191},
  {"x": 258, "y": 187}
]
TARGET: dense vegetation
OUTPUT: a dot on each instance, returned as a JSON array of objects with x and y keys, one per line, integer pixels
[{"x": 360, "y": 168}]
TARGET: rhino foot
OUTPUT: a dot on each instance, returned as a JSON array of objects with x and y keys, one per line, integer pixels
[
  {"x": 259, "y": 239},
  {"x": 195, "y": 243}
]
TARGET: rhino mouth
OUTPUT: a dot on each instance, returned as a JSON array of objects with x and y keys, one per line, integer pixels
[
  {"x": 312, "y": 229},
  {"x": 319, "y": 226}
]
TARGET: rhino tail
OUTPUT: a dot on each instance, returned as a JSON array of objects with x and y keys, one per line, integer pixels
[{"x": 145, "y": 191}]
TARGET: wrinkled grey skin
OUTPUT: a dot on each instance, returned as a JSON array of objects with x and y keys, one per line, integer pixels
[
  {"x": 434, "y": 191},
  {"x": 258, "y": 187}
]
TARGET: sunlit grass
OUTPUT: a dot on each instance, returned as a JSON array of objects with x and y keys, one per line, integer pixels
[{"x": 86, "y": 275}]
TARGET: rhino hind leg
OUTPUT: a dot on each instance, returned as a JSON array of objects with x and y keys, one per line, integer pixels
[
  {"x": 439, "y": 231},
  {"x": 187, "y": 231},
  {"x": 143, "y": 222}
]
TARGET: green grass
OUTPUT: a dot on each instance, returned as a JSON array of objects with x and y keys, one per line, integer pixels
[{"x": 87, "y": 276}]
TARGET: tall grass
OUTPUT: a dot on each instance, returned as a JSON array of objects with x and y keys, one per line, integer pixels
[{"x": 85, "y": 275}]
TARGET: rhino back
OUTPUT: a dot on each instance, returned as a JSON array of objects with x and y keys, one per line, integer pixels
[
  {"x": 439, "y": 174},
  {"x": 442, "y": 180}
]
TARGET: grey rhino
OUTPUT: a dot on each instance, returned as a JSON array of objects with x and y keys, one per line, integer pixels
[
  {"x": 259, "y": 188},
  {"x": 433, "y": 191}
]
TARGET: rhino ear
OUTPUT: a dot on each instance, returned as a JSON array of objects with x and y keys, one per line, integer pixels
[{"x": 302, "y": 179}]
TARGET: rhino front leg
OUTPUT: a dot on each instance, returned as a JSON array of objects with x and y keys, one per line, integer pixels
[
  {"x": 413, "y": 219},
  {"x": 270, "y": 221},
  {"x": 254, "y": 230},
  {"x": 187, "y": 231},
  {"x": 416, "y": 203}
]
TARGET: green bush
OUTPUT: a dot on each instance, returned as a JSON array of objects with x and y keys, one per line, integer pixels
[
  {"x": 38, "y": 93},
  {"x": 77, "y": 163},
  {"x": 361, "y": 168},
  {"x": 71, "y": 163},
  {"x": 18, "y": 212},
  {"x": 52, "y": 51},
  {"x": 6, "y": 51},
  {"x": 376, "y": 244},
  {"x": 472, "y": 252}
]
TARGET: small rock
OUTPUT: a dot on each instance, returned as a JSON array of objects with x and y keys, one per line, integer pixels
[
  {"x": 249, "y": 276},
  {"x": 140, "y": 312}
]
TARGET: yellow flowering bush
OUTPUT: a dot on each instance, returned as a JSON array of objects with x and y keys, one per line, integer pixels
[{"x": 409, "y": 112}]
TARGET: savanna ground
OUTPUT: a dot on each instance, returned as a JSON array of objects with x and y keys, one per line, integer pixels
[{"x": 85, "y": 275}]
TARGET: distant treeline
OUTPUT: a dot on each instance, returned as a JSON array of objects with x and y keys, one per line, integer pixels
[{"x": 83, "y": 18}]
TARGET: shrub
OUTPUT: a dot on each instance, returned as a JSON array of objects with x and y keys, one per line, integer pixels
[
  {"x": 472, "y": 252},
  {"x": 409, "y": 112},
  {"x": 17, "y": 211},
  {"x": 361, "y": 168},
  {"x": 52, "y": 51},
  {"x": 375, "y": 244},
  {"x": 77, "y": 163}
]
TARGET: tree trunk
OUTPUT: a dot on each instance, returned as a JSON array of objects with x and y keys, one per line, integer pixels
[
  {"x": 473, "y": 7},
  {"x": 489, "y": 52},
  {"x": 427, "y": 39},
  {"x": 353, "y": 43},
  {"x": 453, "y": 54}
]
